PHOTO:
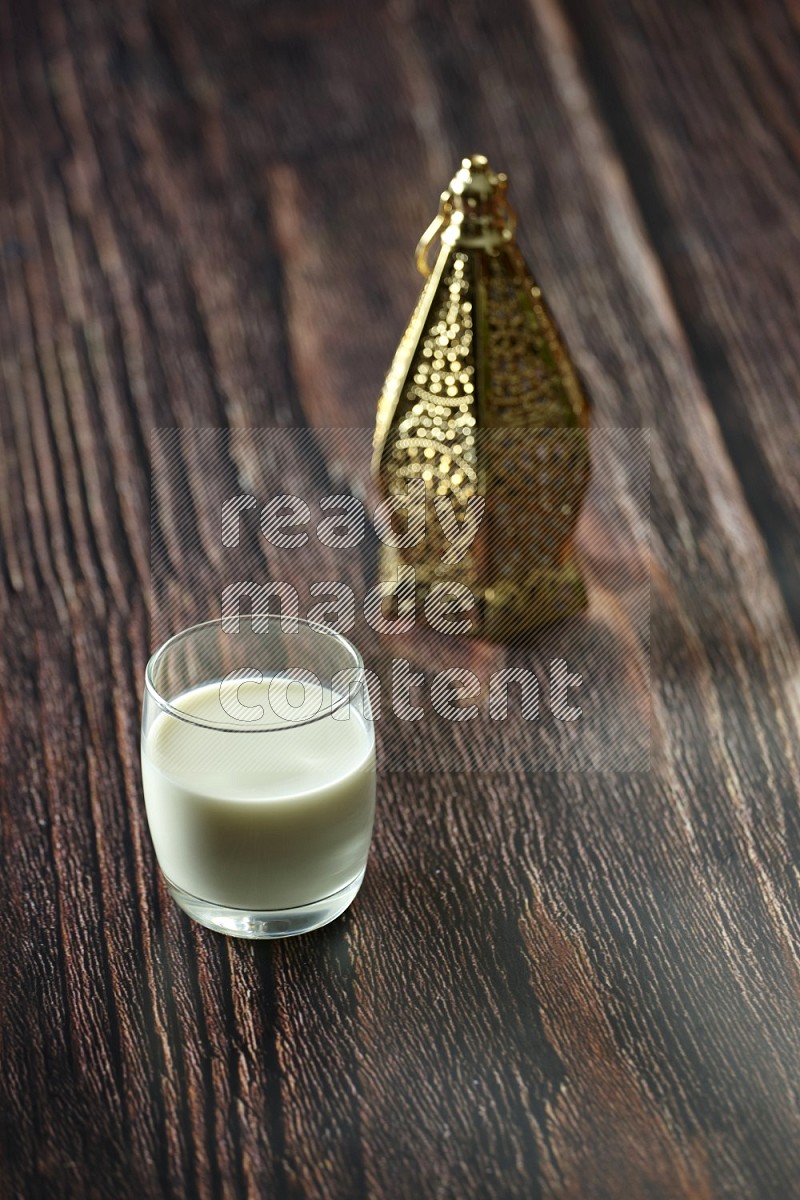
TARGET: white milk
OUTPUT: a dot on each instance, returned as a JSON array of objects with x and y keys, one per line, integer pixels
[{"x": 269, "y": 819}]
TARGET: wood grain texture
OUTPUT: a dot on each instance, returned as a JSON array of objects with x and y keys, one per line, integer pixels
[
  {"x": 569, "y": 985},
  {"x": 723, "y": 220}
]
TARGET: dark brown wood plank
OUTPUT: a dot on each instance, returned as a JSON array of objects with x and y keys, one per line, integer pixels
[
  {"x": 716, "y": 184},
  {"x": 577, "y": 985}
]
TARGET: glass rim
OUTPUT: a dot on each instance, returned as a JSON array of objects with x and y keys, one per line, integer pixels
[{"x": 218, "y": 726}]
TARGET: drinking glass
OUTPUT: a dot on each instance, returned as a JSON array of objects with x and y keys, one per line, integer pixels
[{"x": 258, "y": 763}]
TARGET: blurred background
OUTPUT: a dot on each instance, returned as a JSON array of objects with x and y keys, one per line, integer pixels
[{"x": 211, "y": 209}]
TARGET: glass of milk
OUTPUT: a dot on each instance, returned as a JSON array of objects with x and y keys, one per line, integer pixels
[{"x": 258, "y": 762}]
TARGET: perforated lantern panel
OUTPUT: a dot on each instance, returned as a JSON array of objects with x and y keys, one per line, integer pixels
[{"x": 482, "y": 400}]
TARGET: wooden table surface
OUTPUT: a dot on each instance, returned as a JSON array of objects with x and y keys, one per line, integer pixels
[{"x": 566, "y": 984}]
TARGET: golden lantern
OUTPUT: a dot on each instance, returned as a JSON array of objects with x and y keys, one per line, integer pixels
[{"x": 483, "y": 406}]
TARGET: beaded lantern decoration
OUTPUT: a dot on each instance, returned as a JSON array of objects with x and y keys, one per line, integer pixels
[{"x": 483, "y": 406}]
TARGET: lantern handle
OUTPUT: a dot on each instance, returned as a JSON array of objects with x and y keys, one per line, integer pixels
[{"x": 432, "y": 232}]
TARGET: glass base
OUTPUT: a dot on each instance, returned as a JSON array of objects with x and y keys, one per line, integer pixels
[{"x": 248, "y": 923}]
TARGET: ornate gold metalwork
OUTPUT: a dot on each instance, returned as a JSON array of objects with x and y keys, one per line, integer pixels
[{"x": 482, "y": 400}]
